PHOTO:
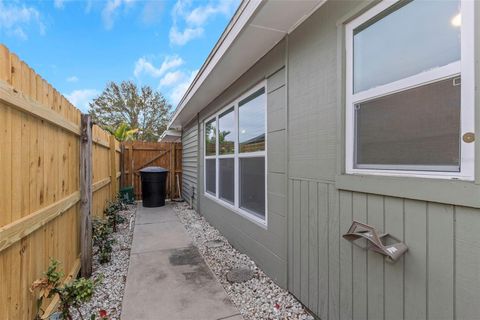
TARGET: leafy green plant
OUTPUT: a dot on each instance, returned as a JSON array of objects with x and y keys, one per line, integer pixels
[
  {"x": 123, "y": 132},
  {"x": 71, "y": 294},
  {"x": 102, "y": 238},
  {"x": 111, "y": 212}
]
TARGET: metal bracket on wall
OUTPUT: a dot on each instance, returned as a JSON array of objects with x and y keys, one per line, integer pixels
[{"x": 382, "y": 243}]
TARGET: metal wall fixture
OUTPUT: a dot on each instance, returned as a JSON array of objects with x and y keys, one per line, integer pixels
[{"x": 382, "y": 243}]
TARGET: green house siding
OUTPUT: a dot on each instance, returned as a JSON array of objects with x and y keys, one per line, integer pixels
[
  {"x": 311, "y": 202},
  {"x": 190, "y": 163},
  {"x": 268, "y": 247},
  {"x": 439, "y": 276}
]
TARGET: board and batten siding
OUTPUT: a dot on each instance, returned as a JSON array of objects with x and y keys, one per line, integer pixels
[
  {"x": 268, "y": 247},
  {"x": 439, "y": 276},
  {"x": 190, "y": 163}
]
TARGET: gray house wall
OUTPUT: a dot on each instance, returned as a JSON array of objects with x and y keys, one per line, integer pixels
[
  {"x": 268, "y": 247},
  {"x": 439, "y": 277},
  {"x": 311, "y": 202},
  {"x": 190, "y": 163}
]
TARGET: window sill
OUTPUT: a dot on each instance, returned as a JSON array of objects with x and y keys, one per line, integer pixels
[
  {"x": 245, "y": 214},
  {"x": 453, "y": 192}
]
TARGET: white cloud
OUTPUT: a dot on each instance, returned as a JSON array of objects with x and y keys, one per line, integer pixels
[
  {"x": 170, "y": 78},
  {"x": 200, "y": 15},
  {"x": 81, "y": 98},
  {"x": 179, "y": 90},
  {"x": 195, "y": 19},
  {"x": 144, "y": 66},
  {"x": 182, "y": 37},
  {"x": 59, "y": 4},
  {"x": 15, "y": 19},
  {"x": 110, "y": 11},
  {"x": 72, "y": 79}
]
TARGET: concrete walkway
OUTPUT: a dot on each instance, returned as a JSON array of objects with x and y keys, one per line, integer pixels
[{"x": 167, "y": 277}]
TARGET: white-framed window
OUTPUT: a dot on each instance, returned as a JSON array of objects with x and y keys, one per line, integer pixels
[
  {"x": 235, "y": 164},
  {"x": 410, "y": 90}
]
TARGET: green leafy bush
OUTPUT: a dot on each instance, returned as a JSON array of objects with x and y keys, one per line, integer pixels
[
  {"x": 102, "y": 238},
  {"x": 111, "y": 212},
  {"x": 71, "y": 294}
]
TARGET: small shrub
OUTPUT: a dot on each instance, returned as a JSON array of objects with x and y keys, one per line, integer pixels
[
  {"x": 102, "y": 238},
  {"x": 111, "y": 212},
  {"x": 71, "y": 295}
]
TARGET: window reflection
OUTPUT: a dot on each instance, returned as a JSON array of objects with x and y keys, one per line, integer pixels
[
  {"x": 210, "y": 138},
  {"x": 226, "y": 132},
  {"x": 251, "y": 122}
]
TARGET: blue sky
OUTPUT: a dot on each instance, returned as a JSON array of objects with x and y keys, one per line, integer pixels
[{"x": 78, "y": 46}]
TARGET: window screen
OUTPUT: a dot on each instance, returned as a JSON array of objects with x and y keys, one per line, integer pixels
[
  {"x": 252, "y": 185},
  {"x": 415, "y": 128},
  {"x": 210, "y": 175},
  {"x": 226, "y": 176}
]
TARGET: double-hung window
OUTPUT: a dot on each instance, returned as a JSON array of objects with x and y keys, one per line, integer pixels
[
  {"x": 410, "y": 90},
  {"x": 235, "y": 149}
]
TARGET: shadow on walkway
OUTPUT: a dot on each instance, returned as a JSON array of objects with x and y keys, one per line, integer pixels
[{"x": 167, "y": 277}]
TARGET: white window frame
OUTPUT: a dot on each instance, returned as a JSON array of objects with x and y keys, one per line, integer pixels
[
  {"x": 235, "y": 207},
  {"x": 465, "y": 67}
]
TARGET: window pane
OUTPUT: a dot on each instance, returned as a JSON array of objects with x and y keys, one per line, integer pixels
[
  {"x": 210, "y": 138},
  {"x": 210, "y": 175},
  {"x": 417, "y": 127},
  {"x": 226, "y": 179},
  {"x": 226, "y": 132},
  {"x": 416, "y": 37},
  {"x": 252, "y": 185},
  {"x": 251, "y": 116}
]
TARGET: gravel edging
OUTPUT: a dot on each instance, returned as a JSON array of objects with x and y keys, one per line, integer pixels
[
  {"x": 108, "y": 294},
  {"x": 259, "y": 298}
]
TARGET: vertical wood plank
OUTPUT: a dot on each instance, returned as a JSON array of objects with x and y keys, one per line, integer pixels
[
  {"x": 113, "y": 168},
  {"x": 360, "y": 261},
  {"x": 323, "y": 231},
  {"x": 394, "y": 224},
  {"x": 304, "y": 240},
  {"x": 313, "y": 246},
  {"x": 440, "y": 261},
  {"x": 5, "y": 66},
  {"x": 333, "y": 253},
  {"x": 86, "y": 196},
  {"x": 467, "y": 264},
  {"x": 415, "y": 260},
  {"x": 346, "y": 257},
  {"x": 375, "y": 262},
  {"x": 296, "y": 238}
]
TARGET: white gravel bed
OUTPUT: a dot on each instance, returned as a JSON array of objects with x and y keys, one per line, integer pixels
[
  {"x": 109, "y": 293},
  {"x": 258, "y": 298}
]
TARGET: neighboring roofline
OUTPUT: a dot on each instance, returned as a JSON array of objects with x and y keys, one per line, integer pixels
[
  {"x": 241, "y": 10},
  {"x": 170, "y": 135}
]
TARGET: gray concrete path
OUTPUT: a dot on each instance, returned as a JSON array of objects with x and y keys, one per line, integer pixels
[{"x": 167, "y": 277}]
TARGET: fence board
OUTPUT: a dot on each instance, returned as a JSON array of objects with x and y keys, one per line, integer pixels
[
  {"x": 140, "y": 154},
  {"x": 40, "y": 189}
]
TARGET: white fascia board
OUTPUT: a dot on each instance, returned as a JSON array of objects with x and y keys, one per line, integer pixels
[{"x": 235, "y": 30}]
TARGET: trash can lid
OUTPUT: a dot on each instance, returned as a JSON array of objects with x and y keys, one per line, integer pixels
[{"x": 153, "y": 169}]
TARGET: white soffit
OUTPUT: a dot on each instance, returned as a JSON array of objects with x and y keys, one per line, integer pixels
[{"x": 258, "y": 28}]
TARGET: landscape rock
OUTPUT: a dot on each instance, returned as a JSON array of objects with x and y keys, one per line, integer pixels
[{"x": 258, "y": 298}]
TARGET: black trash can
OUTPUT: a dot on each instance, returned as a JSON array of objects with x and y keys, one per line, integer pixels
[{"x": 153, "y": 186}]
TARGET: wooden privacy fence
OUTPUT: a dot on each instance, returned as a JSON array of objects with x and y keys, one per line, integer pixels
[
  {"x": 40, "y": 143},
  {"x": 137, "y": 155}
]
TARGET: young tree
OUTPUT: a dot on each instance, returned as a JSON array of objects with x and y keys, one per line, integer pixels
[{"x": 140, "y": 108}]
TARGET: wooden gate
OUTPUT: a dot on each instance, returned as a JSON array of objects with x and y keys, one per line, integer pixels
[{"x": 137, "y": 155}]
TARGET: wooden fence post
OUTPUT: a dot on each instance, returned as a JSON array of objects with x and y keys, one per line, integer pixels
[
  {"x": 113, "y": 168},
  {"x": 122, "y": 165},
  {"x": 86, "y": 195}
]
